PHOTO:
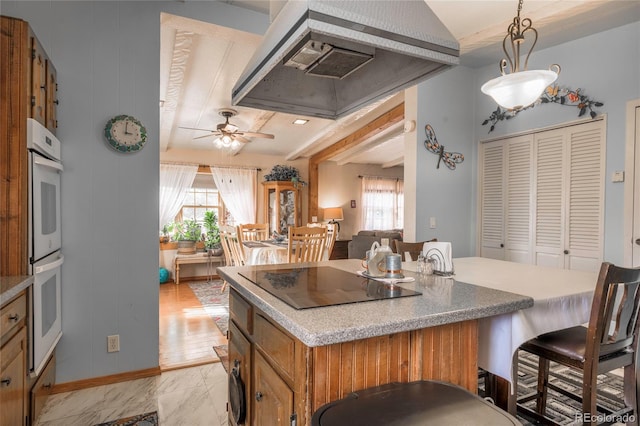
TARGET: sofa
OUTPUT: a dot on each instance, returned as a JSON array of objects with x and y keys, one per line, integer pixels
[{"x": 360, "y": 243}]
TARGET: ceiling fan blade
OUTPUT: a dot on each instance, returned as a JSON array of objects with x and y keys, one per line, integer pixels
[
  {"x": 255, "y": 135},
  {"x": 239, "y": 138},
  {"x": 195, "y": 128},
  {"x": 206, "y": 136}
]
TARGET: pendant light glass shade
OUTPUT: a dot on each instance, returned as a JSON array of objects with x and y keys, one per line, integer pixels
[{"x": 519, "y": 90}]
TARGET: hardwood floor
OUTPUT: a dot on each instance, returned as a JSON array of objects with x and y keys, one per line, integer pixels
[{"x": 187, "y": 332}]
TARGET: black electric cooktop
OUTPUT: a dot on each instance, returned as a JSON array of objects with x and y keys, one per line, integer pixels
[{"x": 312, "y": 287}]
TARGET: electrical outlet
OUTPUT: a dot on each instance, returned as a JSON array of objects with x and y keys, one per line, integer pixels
[
  {"x": 113, "y": 343},
  {"x": 432, "y": 222}
]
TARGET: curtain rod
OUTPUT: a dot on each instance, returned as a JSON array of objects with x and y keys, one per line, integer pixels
[
  {"x": 379, "y": 177},
  {"x": 230, "y": 167}
]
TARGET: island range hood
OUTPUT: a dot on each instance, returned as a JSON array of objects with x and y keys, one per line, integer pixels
[{"x": 329, "y": 58}]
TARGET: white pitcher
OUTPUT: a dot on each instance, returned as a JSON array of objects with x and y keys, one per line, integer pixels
[{"x": 376, "y": 266}]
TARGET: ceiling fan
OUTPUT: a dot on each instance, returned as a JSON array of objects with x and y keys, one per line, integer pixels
[{"x": 227, "y": 133}]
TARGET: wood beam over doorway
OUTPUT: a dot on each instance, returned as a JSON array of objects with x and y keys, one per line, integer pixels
[{"x": 376, "y": 126}]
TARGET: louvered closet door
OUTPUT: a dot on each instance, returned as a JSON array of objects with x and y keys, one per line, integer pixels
[
  {"x": 569, "y": 194},
  {"x": 492, "y": 203},
  {"x": 584, "y": 233},
  {"x": 549, "y": 184},
  {"x": 518, "y": 167}
]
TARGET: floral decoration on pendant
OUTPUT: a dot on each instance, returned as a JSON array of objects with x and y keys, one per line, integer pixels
[
  {"x": 553, "y": 94},
  {"x": 432, "y": 145}
]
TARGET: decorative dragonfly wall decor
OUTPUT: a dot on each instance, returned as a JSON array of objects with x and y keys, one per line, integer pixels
[{"x": 449, "y": 158}]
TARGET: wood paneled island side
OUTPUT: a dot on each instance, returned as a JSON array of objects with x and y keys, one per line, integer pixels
[{"x": 291, "y": 362}]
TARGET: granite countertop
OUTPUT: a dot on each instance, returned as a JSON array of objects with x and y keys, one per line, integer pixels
[
  {"x": 443, "y": 301},
  {"x": 11, "y": 286}
]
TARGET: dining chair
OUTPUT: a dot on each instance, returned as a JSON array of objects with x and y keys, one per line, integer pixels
[
  {"x": 231, "y": 246},
  {"x": 609, "y": 342},
  {"x": 306, "y": 244},
  {"x": 253, "y": 231},
  {"x": 413, "y": 249},
  {"x": 332, "y": 233}
]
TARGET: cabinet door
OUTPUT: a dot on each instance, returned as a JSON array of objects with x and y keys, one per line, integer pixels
[
  {"x": 51, "y": 97},
  {"x": 13, "y": 372},
  {"x": 273, "y": 399},
  {"x": 38, "y": 82},
  {"x": 240, "y": 357}
]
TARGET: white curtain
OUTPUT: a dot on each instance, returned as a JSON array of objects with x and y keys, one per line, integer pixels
[
  {"x": 175, "y": 180},
  {"x": 238, "y": 189},
  {"x": 382, "y": 203}
]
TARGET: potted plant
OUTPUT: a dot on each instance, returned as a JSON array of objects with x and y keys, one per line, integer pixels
[
  {"x": 212, "y": 233},
  {"x": 187, "y": 233}
]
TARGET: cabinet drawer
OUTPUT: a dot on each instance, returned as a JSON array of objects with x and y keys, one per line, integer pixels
[
  {"x": 276, "y": 344},
  {"x": 42, "y": 389},
  {"x": 241, "y": 312},
  {"x": 13, "y": 315}
]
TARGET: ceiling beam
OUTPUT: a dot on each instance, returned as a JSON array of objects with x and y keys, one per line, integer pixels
[
  {"x": 364, "y": 133},
  {"x": 392, "y": 163}
]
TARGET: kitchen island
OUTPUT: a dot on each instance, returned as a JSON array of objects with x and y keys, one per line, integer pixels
[{"x": 292, "y": 361}]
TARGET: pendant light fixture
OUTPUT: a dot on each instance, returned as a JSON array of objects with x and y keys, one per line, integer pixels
[{"x": 520, "y": 88}]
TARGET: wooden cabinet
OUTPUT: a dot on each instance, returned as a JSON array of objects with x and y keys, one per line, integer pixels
[
  {"x": 28, "y": 84},
  {"x": 273, "y": 397},
  {"x": 43, "y": 85},
  {"x": 41, "y": 390},
  {"x": 282, "y": 206},
  {"x": 340, "y": 250},
  {"x": 286, "y": 381},
  {"x": 270, "y": 366},
  {"x": 13, "y": 363}
]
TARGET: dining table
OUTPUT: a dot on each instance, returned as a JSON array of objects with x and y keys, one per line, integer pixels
[
  {"x": 265, "y": 252},
  {"x": 561, "y": 299}
]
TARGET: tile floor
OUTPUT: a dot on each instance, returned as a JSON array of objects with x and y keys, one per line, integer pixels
[{"x": 190, "y": 396}]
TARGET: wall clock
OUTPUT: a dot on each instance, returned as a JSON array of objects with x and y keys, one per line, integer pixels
[{"x": 125, "y": 133}]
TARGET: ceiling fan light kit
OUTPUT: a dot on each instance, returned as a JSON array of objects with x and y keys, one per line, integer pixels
[
  {"x": 520, "y": 88},
  {"x": 228, "y": 136}
]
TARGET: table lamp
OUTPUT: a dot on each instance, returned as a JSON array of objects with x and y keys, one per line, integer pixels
[{"x": 333, "y": 215}]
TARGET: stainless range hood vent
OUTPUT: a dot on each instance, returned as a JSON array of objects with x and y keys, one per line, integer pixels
[
  {"x": 324, "y": 60},
  {"x": 329, "y": 58}
]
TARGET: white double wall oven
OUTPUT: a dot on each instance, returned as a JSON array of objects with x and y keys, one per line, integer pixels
[{"x": 45, "y": 243}]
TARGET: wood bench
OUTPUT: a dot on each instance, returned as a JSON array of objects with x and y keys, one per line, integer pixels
[{"x": 198, "y": 258}]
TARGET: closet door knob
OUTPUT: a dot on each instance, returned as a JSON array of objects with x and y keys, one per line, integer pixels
[
  {"x": 638, "y": 241},
  {"x": 566, "y": 252}
]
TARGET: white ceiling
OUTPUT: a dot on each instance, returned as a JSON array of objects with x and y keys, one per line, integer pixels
[{"x": 200, "y": 63}]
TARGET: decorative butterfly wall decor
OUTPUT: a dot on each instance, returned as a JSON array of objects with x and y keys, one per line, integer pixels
[{"x": 449, "y": 158}]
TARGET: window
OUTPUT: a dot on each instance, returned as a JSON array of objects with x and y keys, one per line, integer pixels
[
  {"x": 197, "y": 202},
  {"x": 382, "y": 203}
]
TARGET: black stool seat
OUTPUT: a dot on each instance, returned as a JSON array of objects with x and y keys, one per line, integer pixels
[{"x": 424, "y": 402}]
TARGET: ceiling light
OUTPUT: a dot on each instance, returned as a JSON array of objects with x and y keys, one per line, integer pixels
[
  {"x": 520, "y": 88},
  {"x": 300, "y": 121}
]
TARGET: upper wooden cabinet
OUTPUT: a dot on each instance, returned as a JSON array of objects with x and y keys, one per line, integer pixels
[
  {"x": 282, "y": 206},
  {"x": 28, "y": 89},
  {"x": 43, "y": 85}
]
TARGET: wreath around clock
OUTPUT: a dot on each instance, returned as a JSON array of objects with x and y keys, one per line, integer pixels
[{"x": 125, "y": 133}]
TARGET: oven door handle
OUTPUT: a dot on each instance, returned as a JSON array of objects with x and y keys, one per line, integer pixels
[
  {"x": 49, "y": 266},
  {"x": 41, "y": 161}
]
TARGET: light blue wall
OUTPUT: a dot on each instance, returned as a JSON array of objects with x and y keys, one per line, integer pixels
[
  {"x": 606, "y": 66},
  {"x": 446, "y": 103},
  {"x": 107, "y": 56}
]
